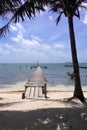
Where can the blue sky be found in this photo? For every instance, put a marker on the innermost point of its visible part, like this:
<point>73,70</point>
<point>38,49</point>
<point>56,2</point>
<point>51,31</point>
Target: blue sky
<point>40,39</point>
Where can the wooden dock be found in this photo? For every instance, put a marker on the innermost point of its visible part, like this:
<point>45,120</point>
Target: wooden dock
<point>36,85</point>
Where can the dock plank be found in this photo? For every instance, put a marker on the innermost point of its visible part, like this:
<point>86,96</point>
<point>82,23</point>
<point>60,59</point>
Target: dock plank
<point>34,85</point>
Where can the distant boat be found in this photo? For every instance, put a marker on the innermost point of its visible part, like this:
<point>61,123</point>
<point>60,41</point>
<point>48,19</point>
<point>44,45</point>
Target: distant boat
<point>69,64</point>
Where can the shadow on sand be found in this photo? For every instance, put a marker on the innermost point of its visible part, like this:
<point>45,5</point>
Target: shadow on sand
<point>45,119</point>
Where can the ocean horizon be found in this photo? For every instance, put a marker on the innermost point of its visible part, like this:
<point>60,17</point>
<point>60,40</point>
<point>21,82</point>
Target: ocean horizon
<point>15,75</point>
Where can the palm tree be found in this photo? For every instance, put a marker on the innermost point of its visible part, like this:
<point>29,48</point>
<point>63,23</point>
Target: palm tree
<point>69,8</point>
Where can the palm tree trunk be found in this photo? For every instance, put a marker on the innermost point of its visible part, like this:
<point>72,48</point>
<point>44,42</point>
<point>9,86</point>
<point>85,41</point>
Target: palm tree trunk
<point>78,90</point>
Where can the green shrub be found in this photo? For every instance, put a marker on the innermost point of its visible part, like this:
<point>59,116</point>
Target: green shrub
<point>71,74</point>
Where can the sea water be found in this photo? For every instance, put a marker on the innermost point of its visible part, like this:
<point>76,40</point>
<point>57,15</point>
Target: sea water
<point>14,75</point>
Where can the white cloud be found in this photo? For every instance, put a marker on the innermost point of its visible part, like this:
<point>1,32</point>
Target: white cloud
<point>60,46</point>
<point>84,9</point>
<point>32,48</point>
<point>3,50</point>
<point>36,44</point>
<point>51,18</point>
<point>18,38</point>
<point>42,51</point>
<point>36,38</point>
<point>13,28</point>
<point>84,4</point>
<point>17,27</point>
<point>85,19</point>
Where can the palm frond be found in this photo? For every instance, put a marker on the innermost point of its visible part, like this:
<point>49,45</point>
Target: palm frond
<point>55,7</point>
<point>58,18</point>
<point>77,14</point>
<point>29,8</point>
<point>8,6</point>
<point>4,30</point>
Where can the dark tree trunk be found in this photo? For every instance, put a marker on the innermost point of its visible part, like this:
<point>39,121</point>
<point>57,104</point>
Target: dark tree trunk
<point>78,90</point>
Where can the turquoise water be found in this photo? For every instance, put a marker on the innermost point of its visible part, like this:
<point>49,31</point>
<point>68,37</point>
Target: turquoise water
<point>56,74</point>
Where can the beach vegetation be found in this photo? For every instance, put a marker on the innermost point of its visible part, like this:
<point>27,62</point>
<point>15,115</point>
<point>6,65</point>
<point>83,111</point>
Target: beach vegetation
<point>67,8</point>
<point>71,74</point>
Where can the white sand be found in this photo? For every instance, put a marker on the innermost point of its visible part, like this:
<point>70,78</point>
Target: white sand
<point>14,101</point>
<point>42,114</point>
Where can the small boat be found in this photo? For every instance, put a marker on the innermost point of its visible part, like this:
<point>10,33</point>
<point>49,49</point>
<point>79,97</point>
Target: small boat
<point>68,64</point>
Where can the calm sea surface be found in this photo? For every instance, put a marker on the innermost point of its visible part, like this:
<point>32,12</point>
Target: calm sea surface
<point>56,74</point>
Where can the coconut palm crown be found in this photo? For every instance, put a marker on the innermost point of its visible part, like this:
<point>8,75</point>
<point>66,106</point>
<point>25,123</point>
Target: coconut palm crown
<point>69,8</point>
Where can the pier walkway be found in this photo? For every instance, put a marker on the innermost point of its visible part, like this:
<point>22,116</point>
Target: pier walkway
<point>36,85</point>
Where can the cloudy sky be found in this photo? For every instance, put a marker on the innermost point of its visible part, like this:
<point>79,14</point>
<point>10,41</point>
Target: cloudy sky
<point>42,40</point>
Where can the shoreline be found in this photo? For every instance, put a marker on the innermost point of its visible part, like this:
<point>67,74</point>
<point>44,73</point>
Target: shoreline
<point>20,91</point>
<point>20,87</point>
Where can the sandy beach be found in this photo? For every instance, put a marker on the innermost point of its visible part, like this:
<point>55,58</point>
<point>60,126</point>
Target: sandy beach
<point>42,114</point>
